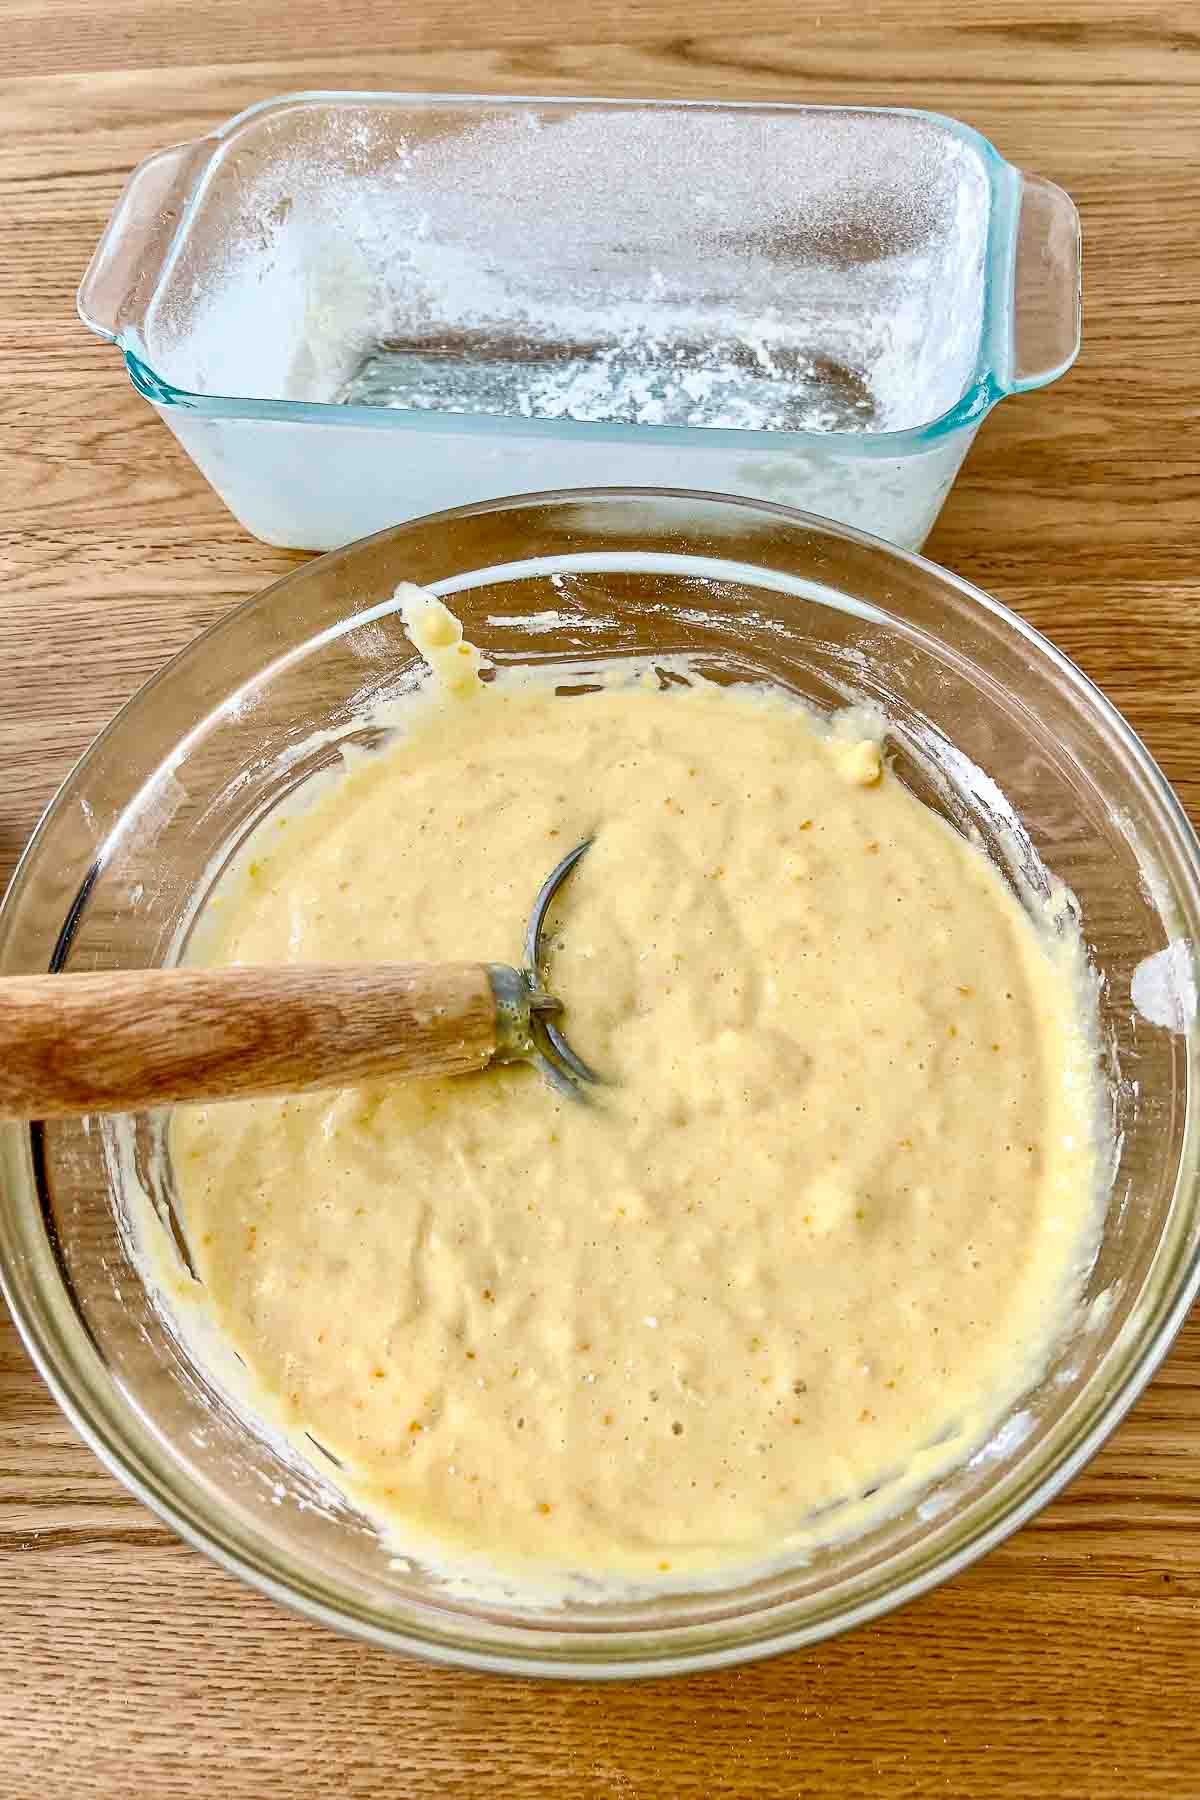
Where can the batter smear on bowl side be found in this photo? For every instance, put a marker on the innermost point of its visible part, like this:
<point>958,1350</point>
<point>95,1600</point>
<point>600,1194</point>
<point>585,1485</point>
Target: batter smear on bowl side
<point>821,1226</point>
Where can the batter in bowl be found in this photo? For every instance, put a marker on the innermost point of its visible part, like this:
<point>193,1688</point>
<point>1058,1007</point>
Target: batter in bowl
<point>820,1230</point>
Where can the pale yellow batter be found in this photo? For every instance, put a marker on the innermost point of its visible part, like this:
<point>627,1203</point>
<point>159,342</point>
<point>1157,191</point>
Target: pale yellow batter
<point>832,1209</point>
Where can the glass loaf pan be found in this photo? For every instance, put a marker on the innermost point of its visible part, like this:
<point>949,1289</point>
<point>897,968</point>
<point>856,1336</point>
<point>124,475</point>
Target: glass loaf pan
<point>353,309</point>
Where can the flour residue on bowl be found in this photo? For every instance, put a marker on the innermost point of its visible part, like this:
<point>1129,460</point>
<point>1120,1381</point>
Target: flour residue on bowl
<point>743,269</point>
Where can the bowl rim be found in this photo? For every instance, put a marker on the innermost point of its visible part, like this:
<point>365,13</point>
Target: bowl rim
<point>98,1429</point>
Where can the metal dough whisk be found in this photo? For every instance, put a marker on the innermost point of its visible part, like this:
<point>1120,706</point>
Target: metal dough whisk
<point>123,1040</point>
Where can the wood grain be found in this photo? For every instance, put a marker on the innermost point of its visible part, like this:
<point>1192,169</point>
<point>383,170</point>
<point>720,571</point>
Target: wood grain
<point>122,1040</point>
<point>1066,1663</point>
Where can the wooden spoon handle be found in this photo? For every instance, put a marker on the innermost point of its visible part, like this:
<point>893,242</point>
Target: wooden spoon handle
<point>120,1041</point>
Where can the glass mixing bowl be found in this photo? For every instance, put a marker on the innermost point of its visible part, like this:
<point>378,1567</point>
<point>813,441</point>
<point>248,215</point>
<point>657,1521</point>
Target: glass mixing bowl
<point>988,723</point>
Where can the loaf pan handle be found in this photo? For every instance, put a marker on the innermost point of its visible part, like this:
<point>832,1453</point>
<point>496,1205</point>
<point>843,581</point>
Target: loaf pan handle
<point>128,260</point>
<point>1046,306</point>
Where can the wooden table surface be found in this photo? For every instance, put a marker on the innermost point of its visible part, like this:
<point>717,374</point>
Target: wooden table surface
<point>1066,1663</point>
